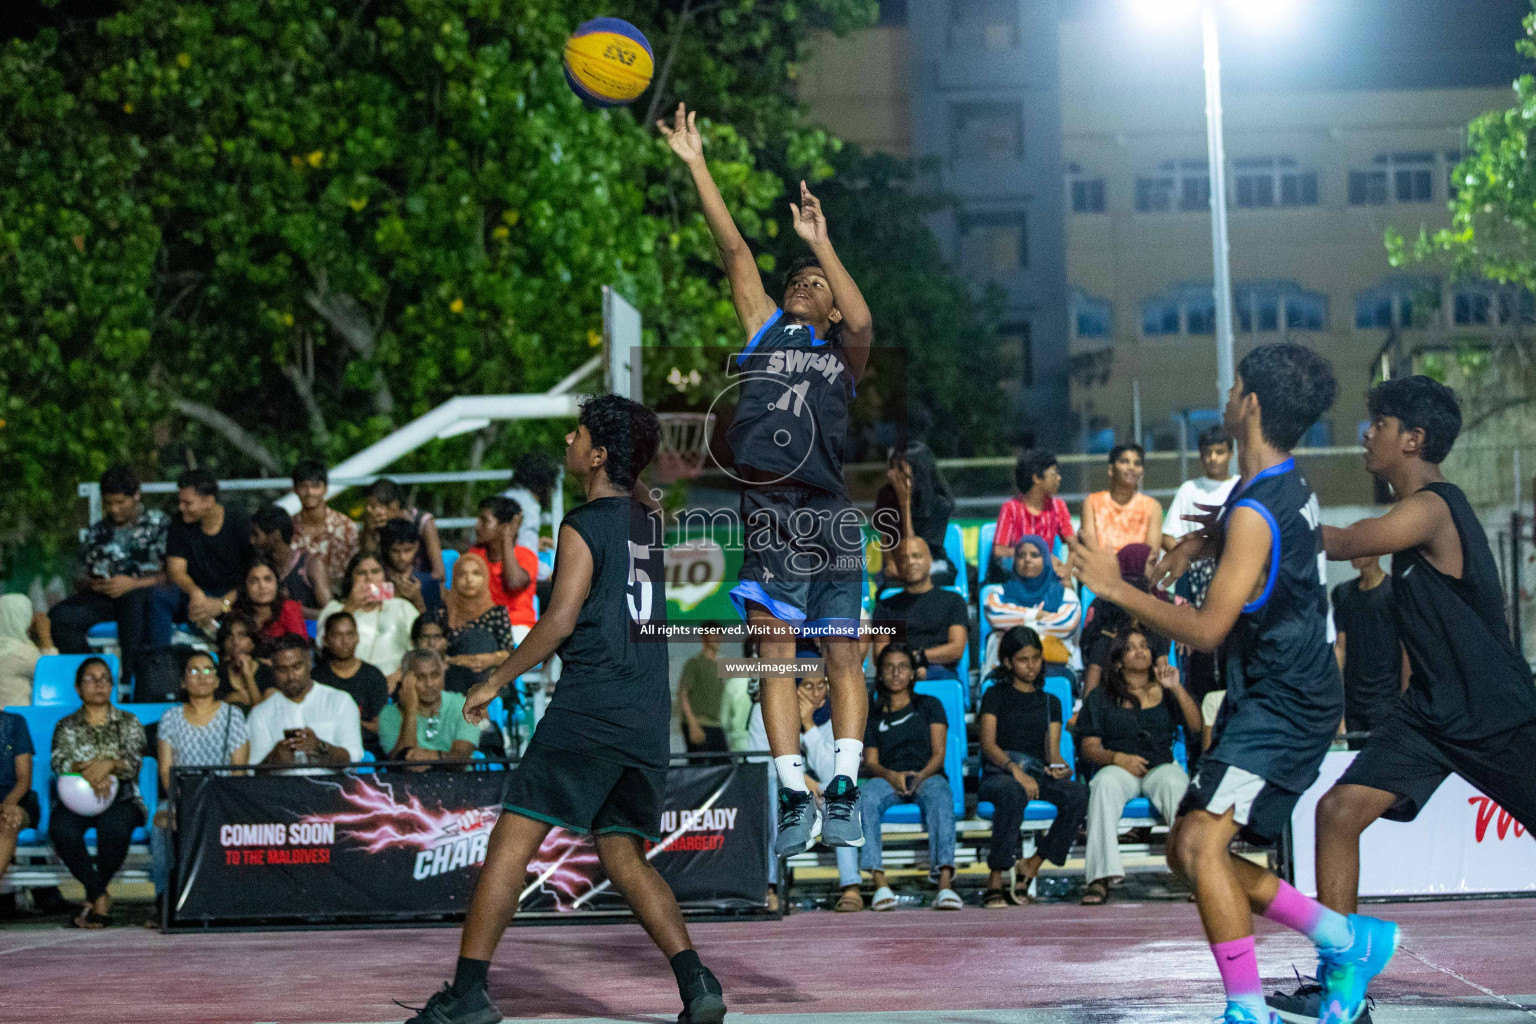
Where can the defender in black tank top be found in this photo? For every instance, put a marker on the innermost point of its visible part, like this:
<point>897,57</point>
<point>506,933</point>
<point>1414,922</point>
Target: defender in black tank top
<point>597,762</point>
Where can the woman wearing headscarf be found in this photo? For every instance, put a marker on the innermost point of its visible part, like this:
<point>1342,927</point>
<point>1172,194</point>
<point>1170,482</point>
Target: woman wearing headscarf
<point>478,630</point>
<point>24,637</point>
<point>1034,596</point>
<point>1106,621</point>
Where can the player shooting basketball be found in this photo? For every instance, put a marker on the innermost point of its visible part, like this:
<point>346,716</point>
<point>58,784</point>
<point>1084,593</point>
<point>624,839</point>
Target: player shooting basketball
<point>803,567</point>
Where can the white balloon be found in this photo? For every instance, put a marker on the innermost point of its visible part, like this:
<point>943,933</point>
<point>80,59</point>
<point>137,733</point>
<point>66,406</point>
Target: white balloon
<point>77,794</point>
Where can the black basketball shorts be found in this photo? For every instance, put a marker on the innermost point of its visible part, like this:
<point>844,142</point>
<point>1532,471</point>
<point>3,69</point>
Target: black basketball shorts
<point>803,559</point>
<point>582,794</point>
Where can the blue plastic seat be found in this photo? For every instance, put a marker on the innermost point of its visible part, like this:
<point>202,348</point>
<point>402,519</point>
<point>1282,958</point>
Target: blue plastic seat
<point>949,693</point>
<point>1139,807</point>
<point>954,553</point>
<point>449,557</point>
<point>311,628</point>
<point>53,680</point>
<point>102,631</point>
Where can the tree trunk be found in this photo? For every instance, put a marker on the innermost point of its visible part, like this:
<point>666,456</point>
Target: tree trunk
<point>231,432</point>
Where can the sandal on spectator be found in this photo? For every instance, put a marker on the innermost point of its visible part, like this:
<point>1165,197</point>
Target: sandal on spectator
<point>996,899</point>
<point>850,902</point>
<point>90,920</point>
<point>1095,894</point>
<point>948,899</point>
<point>884,899</point>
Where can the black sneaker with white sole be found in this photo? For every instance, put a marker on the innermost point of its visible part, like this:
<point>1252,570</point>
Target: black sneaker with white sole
<point>799,822</point>
<point>473,1007</point>
<point>1305,1004</point>
<point>840,801</point>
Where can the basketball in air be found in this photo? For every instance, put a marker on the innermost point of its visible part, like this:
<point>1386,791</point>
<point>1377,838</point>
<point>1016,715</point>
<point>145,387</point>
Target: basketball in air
<point>608,62</point>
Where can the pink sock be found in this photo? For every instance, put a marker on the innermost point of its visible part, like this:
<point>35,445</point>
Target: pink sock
<point>1324,927</point>
<point>1239,968</point>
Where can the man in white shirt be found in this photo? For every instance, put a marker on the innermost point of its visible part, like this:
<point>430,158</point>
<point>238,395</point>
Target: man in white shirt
<point>1212,488</point>
<point>304,722</point>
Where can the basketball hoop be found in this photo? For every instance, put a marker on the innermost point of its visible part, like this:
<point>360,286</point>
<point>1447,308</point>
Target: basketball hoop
<point>684,445</point>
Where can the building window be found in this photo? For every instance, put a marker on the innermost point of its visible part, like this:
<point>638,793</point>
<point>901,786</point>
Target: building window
<point>988,131</point>
<point>1185,309</point>
<point>1485,304</point>
<point>1405,177</point>
<point>1264,182</point>
<point>1283,306</point>
<point>1185,182</point>
<point>991,26</point>
<point>1367,188</point>
<point>1017,335</point>
<point>1395,303</point>
<point>995,244</point>
<point>1452,161</point>
<point>1084,192</point>
<point>1200,312</point>
<point>1091,317</point>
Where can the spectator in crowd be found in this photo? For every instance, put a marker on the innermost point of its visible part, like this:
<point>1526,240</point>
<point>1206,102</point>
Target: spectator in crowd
<point>303,575</point>
<point>121,562</point>
<point>1210,707</point>
<point>1369,651</point>
<point>303,722</point>
<point>207,549</point>
<point>428,634</point>
<point>199,732</point>
<point>816,745</point>
<point>1034,596</point>
<point>384,501</point>
<point>24,638</point>
<point>936,620</point>
<point>262,600</point>
<point>319,530</point>
<point>700,692</point>
<point>383,620</point>
<point>400,543</point>
<point>1211,488</point>
<point>514,568</point>
<point>532,486</point>
<point>1127,728</point>
<point>914,473</point>
<point>426,723</point>
<point>100,743</point>
<point>736,706</point>
<point>468,611</point>
<point>1124,514</point>
<point>904,744</point>
<point>1020,728</point>
<point>243,679</point>
<point>19,808</point>
<point>1106,621</point>
<point>339,667</point>
<point>1034,512</point>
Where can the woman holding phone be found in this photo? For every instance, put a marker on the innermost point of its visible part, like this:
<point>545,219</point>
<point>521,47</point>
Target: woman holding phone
<point>383,620</point>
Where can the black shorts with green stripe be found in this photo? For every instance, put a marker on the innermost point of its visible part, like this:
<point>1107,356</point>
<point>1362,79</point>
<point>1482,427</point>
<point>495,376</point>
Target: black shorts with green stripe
<point>582,794</point>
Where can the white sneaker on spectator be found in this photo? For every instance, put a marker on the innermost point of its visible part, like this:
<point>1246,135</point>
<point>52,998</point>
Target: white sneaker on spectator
<point>948,899</point>
<point>884,899</point>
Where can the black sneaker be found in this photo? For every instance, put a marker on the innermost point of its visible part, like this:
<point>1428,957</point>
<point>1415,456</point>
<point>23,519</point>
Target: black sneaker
<point>799,823</point>
<point>705,999</point>
<point>842,827</point>
<point>1305,1004</point>
<point>473,1007</point>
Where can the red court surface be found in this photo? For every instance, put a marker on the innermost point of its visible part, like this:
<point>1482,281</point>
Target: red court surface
<point>1461,961</point>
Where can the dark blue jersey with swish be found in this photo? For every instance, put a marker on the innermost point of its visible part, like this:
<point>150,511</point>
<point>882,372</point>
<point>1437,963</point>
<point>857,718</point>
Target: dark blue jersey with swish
<point>1284,695</point>
<point>791,422</point>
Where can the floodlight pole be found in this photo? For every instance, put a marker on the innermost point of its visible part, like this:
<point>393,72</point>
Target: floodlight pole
<point>1215,146</point>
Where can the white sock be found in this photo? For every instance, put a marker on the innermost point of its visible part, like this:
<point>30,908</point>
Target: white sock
<point>846,755</point>
<point>791,772</point>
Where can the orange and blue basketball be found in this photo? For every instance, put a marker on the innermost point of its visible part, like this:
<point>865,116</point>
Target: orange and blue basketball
<point>608,62</point>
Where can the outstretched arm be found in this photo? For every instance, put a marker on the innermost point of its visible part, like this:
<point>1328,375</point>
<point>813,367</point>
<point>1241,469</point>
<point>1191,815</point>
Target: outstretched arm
<point>1411,522</point>
<point>753,306</point>
<point>858,327</point>
<point>1244,560</point>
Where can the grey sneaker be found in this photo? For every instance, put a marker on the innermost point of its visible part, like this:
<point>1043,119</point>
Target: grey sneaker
<point>473,1007</point>
<point>841,800</point>
<point>799,823</point>
<point>1304,1005</point>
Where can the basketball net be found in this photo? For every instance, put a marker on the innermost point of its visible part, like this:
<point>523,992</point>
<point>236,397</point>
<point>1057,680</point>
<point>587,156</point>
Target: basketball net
<point>684,445</point>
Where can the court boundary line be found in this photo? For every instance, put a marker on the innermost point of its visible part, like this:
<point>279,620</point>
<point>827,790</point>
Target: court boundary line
<point>1469,982</point>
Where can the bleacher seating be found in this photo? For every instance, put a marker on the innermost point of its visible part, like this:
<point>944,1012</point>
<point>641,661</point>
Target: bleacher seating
<point>53,680</point>
<point>449,557</point>
<point>949,692</point>
<point>954,553</point>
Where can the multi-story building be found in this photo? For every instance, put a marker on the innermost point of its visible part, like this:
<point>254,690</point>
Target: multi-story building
<point>1103,173</point>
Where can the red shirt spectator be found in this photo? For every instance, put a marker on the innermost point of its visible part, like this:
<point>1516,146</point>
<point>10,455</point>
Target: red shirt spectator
<point>290,619</point>
<point>518,603</point>
<point>495,534</point>
<point>1017,520</point>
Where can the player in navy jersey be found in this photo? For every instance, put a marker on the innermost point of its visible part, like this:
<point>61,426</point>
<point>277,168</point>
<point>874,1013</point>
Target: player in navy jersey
<point>1267,615</point>
<point>598,761</point>
<point>803,565</point>
<point>1470,706</point>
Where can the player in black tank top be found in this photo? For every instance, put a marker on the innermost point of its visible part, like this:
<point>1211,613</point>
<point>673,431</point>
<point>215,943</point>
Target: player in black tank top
<point>597,762</point>
<point>1267,610</point>
<point>803,567</point>
<point>1470,705</point>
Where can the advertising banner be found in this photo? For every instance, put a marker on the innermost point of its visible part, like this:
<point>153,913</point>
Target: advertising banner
<point>1461,842</point>
<point>399,845</point>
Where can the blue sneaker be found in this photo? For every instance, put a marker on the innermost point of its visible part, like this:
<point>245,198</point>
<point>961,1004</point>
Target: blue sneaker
<point>1345,973</point>
<point>1237,1013</point>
